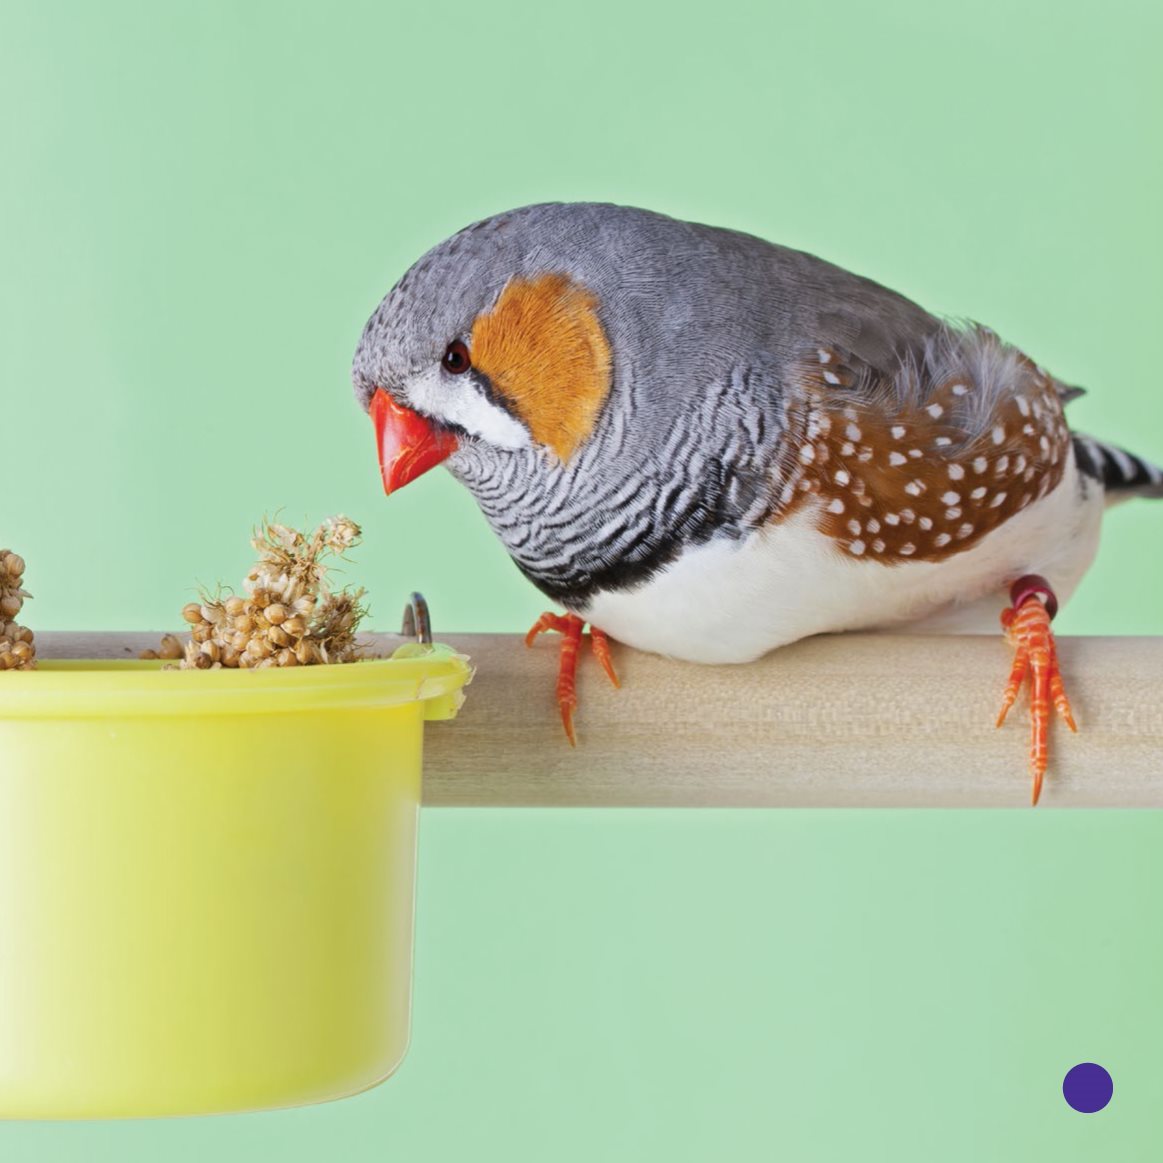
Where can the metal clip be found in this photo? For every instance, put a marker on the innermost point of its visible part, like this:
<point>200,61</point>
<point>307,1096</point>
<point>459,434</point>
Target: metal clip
<point>417,623</point>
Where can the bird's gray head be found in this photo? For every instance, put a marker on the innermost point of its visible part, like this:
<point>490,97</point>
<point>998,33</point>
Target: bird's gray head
<point>514,333</point>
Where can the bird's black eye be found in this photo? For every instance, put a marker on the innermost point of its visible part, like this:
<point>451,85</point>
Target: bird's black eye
<point>456,358</point>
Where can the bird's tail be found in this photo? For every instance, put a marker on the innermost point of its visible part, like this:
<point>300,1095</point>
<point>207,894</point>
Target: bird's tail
<point>1121,473</point>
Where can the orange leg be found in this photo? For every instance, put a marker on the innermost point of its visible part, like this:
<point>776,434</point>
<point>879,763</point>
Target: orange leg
<point>1027,627</point>
<point>570,627</point>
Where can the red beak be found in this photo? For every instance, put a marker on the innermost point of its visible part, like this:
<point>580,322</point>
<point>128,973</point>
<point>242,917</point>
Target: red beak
<point>408,444</point>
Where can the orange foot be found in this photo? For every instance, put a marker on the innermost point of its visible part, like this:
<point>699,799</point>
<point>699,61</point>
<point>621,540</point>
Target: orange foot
<point>570,627</point>
<point>1027,627</point>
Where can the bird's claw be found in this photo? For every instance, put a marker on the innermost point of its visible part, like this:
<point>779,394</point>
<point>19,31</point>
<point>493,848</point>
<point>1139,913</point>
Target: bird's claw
<point>570,627</point>
<point>1027,627</point>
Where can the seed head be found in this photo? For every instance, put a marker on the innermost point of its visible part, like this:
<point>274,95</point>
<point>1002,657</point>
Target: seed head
<point>17,651</point>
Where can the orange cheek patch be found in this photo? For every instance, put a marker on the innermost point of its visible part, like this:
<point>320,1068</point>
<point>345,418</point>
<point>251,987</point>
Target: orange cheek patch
<point>544,349</point>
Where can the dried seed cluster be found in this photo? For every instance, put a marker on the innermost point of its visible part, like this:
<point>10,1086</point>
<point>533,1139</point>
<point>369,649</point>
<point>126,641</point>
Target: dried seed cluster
<point>289,616</point>
<point>17,649</point>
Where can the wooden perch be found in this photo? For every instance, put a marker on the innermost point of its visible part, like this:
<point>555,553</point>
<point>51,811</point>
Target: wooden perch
<point>855,720</point>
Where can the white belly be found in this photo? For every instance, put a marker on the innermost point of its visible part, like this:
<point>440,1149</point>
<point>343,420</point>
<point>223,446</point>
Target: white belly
<point>733,601</point>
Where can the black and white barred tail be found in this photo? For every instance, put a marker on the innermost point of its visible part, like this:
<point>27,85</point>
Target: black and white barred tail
<point>1121,473</point>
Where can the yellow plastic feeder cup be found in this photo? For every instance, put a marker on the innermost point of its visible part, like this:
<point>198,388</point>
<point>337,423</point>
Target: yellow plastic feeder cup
<point>207,881</point>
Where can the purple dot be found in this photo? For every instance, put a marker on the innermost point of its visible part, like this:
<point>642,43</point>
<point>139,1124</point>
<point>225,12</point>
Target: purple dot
<point>1087,1087</point>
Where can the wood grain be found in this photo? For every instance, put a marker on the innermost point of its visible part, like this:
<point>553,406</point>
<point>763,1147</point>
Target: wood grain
<point>855,720</point>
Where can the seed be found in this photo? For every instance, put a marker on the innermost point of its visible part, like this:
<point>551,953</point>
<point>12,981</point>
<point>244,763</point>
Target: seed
<point>22,651</point>
<point>192,612</point>
<point>288,616</point>
<point>171,647</point>
<point>13,565</point>
<point>10,604</point>
<point>148,656</point>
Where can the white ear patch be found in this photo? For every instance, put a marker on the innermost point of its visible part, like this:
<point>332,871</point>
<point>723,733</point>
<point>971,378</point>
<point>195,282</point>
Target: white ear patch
<point>458,401</point>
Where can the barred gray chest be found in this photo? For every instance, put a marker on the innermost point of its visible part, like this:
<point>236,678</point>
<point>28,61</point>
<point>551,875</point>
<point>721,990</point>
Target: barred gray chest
<point>612,519</point>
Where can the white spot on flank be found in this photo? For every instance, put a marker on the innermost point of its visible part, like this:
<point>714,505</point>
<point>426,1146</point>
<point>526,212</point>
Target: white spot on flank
<point>853,526</point>
<point>865,454</point>
<point>878,545</point>
<point>915,453</point>
<point>853,432</point>
<point>872,525</point>
<point>825,356</point>
<point>997,500</point>
<point>1028,429</point>
<point>950,498</point>
<point>807,454</point>
<point>908,516</point>
<point>941,540</point>
<point>959,389</point>
<point>978,492</point>
<point>842,477</point>
<point>898,431</point>
<point>956,472</point>
<point>980,464</point>
<point>964,531</point>
<point>915,488</point>
<point>943,441</point>
<point>935,410</point>
<point>835,505</point>
<point>998,434</point>
<point>831,377</point>
<point>892,519</point>
<point>847,448</point>
<point>925,523</point>
<point>952,514</point>
<point>1020,463</point>
<point>1023,405</point>
<point>907,549</point>
<point>856,547</point>
<point>895,458</point>
<point>1001,464</point>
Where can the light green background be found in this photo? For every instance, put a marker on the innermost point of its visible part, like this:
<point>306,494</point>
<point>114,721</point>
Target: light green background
<point>200,205</point>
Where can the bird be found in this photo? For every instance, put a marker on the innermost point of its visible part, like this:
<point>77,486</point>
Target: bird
<point>707,446</point>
